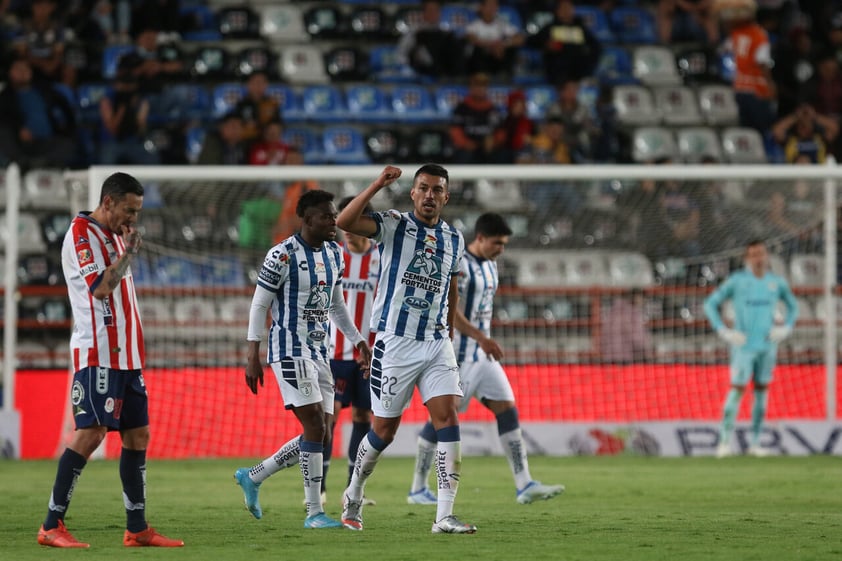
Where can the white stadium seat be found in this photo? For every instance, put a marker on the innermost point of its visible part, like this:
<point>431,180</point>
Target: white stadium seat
<point>634,105</point>
<point>650,144</point>
<point>678,105</point>
<point>282,23</point>
<point>742,145</point>
<point>806,270</point>
<point>696,143</point>
<point>44,189</point>
<point>537,268</point>
<point>718,105</point>
<point>655,65</point>
<point>303,64</point>
<point>584,268</point>
<point>30,239</point>
<point>630,269</point>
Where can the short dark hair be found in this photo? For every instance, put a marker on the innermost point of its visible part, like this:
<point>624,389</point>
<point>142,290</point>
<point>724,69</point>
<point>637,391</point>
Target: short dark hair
<point>312,199</point>
<point>492,224</point>
<point>434,170</point>
<point>368,209</point>
<point>754,242</point>
<point>118,185</point>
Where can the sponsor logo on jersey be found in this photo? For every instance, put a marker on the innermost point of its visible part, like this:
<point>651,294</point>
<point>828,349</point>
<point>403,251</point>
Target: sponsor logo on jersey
<point>82,240</point>
<point>102,380</point>
<point>416,303</point>
<point>109,405</point>
<point>317,336</point>
<point>87,270</point>
<point>269,277</point>
<point>84,256</point>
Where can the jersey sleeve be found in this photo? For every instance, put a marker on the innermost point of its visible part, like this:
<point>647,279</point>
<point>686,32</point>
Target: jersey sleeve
<point>715,300</point>
<point>386,221</point>
<point>275,269</point>
<point>459,254</point>
<point>90,255</point>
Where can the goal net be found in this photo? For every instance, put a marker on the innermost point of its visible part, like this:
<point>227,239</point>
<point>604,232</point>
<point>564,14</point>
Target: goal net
<point>599,310</point>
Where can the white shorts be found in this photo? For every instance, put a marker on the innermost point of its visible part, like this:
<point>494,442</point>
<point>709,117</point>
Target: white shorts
<point>399,364</point>
<point>484,379</point>
<point>304,381</point>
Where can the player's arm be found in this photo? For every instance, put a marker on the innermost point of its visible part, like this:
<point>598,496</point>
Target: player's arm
<point>468,329</point>
<point>260,303</point>
<point>452,302</point>
<point>780,332</point>
<point>114,273</point>
<point>340,317</point>
<point>352,218</point>
<point>711,308</point>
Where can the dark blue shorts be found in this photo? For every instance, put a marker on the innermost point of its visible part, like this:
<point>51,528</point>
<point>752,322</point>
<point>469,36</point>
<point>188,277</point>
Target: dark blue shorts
<point>352,388</point>
<point>110,398</point>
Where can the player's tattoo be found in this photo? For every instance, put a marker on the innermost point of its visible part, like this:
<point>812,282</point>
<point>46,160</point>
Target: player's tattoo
<point>115,273</point>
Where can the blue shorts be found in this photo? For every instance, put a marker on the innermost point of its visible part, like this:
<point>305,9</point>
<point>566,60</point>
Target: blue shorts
<point>110,398</point>
<point>352,387</point>
<point>752,365</point>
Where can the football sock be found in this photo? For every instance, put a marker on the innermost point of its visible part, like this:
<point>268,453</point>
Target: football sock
<point>758,413</point>
<point>358,432</point>
<point>367,455</point>
<point>424,457</point>
<point>70,467</point>
<point>729,414</point>
<point>511,438</point>
<point>133,476</point>
<point>310,462</point>
<point>448,469</point>
<point>286,457</point>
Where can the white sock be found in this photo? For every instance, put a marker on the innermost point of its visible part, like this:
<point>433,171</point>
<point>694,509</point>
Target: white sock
<point>367,457</point>
<point>423,463</point>
<point>448,469</point>
<point>515,450</point>
<point>311,472</point>
<point>285,457</point>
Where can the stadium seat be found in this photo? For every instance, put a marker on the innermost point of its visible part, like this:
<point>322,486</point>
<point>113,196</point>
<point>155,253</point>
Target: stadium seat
<point>324,104</point>
<point>727,66</point>
<point>89,97</point>
<point>44,190</point>
<point>368,104</point>
<point>386,145</point>
<point>211,62</point>
<point>155,312</point>
<point>697,65</point>
<point>199,23</point>
<point>633,25</point>
<point>308,142</point>
<point>347,64</point>
<point>54,226</point>
<point>629,269</point>
<point>456,17</point>
<point>235,310</point>
<point>654,65</point>
<point>430,145</point>
<point>256,59</point>
<point>697,143</point>
<point>806,269</point>
<point>195,136</point>
<point>325,22</point>
<point>386,67</point>
<point>413,104</point>
<point>222,271</point>
<point>370,23</point>
<point>584,268</point>
<point>344,145</point>
<point>196,311</point>
<point>447,98</point>
<point>29,234</point>
<point>678,105</point>
<point>498,194</point>
<point>650,144</point>
<point>111,56</point>
<point>634,105</point>
<point>718,105</point>
<point>499,96</point>
<point>538,99</point>
<point>615,66</point>
<point>537,268</point>
<point>282,23</point>
<point>238,22</point>
<point>289,104</point>
<point>176,271</point>
<point>597,22</point>
<point>778,266</point>
<point>529,67</point>
<point>536,20</point>
<point>743,145</point>
<point>225,97</point>
<point>34,269</point>
<point>194,102</point>
<point>303,64</point>
<point>510,14</point>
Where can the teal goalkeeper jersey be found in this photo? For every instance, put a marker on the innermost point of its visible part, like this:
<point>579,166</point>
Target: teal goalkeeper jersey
<point>754,301</point>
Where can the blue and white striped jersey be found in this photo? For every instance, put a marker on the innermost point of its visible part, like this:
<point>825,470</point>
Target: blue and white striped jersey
<point>416,264</point>
<point>303,280</point>
<point>477,283</point>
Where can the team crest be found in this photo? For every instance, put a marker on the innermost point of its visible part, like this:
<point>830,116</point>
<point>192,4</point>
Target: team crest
<point>319,296</point>
<point>426,263</point>
<point>430,239</point>
<point>84,256</point>
<point>306,389</point>
<point>387,403</point>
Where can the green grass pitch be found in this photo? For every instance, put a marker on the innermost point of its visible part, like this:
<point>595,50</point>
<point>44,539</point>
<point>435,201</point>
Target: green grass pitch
<point>615,508</point>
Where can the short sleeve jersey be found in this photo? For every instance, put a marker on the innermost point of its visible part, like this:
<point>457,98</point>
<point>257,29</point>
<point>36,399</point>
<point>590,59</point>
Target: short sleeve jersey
<point>303,280</point>
<point>106,332</point>
<point>416,264</point>
<point>477,283</point>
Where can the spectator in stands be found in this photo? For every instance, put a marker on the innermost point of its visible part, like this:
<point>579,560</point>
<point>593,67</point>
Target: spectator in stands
<point>805,133</point>
<point>156,67</point>
<point>753,84</point>
<point>687,21</point>
<point>124,113</point>
<point>570,50</point>
<point>681,215</point>
<point>606,144</point>
<point>271,150</point>
<point>475,120</point>
<point>753,337</point>
<point>37,124</point>
<point>256,108</point>
<point>43,41</point>
<point>101,21</point>
<point>794,216</point>
<point>834,36</point>
<point>624,334</point>
<point>431,48</point>
<point>824,90</point>
<point>493,42</point>
<point>579,126</point>
<point>516,131</point>
<point>224,146</point>
<point>794,66</point>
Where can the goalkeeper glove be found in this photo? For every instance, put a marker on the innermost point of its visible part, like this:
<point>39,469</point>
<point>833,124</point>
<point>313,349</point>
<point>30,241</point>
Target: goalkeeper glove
<point>779,332</point>
<point>732,336</point>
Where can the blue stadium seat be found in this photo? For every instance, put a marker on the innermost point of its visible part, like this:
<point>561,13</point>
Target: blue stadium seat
<point>344,145</point>
<point>289,104</point>
<point>225,97</point>
<point>538,99</point>
<point>413,104</point>
<point>89,96</point>
<point>195,138</point>
<point>111,56</point>
<point>142,272</point>
<point>511,15</point>
<point>456,17</point>
<point>529,68</point>
<point>307,141</point>
<point>200,24</point>
<point>633,25</point>
<point>447,98</point>
<point>176,271</point>
<point>500,96</point>
<point>597,22</point>
<point>368,104</point>
<point>323,103</point>
<point>193,102</point>
<point>385,67</point>
<point>222,270</point>
<point>615,66</point>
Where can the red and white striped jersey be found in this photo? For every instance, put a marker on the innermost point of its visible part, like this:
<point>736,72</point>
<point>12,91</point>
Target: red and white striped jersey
<point>359,282</point>
<point>106,332</point>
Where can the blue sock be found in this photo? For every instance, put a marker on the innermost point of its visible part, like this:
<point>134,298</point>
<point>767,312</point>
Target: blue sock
<point>69,469</point>
<point>358,432</point>
<point>758,414</point>
<point>428,432</point>
<point>133,476</point>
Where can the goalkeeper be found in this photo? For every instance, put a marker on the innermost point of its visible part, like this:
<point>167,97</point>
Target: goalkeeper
<point>754,292</point>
